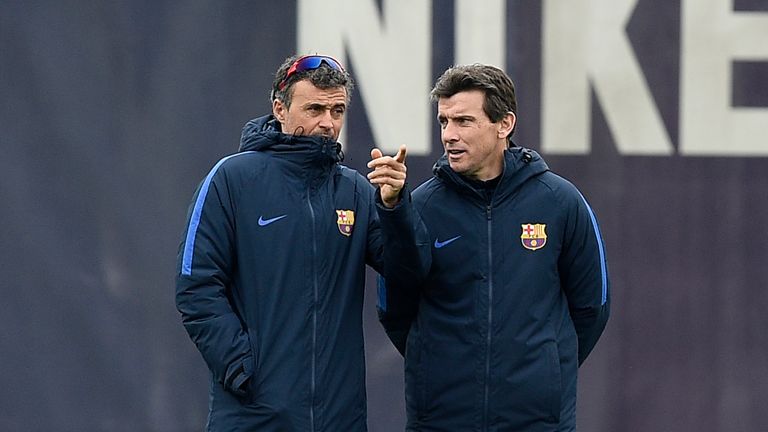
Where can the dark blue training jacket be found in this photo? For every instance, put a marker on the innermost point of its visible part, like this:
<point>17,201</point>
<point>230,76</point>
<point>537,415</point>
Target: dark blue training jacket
<point>511,297</point>
<point>270,284</point>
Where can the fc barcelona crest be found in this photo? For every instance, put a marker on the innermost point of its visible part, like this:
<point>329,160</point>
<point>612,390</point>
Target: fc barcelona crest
<point>534,236</point>
<point>346,221</point>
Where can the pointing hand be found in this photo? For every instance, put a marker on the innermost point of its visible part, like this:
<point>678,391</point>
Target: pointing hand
<point>389,173</point>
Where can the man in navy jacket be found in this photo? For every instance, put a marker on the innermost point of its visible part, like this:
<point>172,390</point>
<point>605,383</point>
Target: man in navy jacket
<point>510,293</point>
<point>271,269</point>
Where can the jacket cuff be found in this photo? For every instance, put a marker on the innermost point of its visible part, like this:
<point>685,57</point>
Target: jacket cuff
<point>405,194</point>
<point>238,375</point>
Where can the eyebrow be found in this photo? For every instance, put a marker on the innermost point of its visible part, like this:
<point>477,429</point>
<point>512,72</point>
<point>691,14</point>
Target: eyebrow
<point>322,105</point>
<point>456,117</point>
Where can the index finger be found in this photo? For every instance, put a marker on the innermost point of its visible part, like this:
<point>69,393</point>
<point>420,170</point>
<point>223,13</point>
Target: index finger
<point>400,156</point>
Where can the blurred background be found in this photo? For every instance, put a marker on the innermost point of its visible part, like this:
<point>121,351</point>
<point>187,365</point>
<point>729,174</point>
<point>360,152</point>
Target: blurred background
<point>111,112</point>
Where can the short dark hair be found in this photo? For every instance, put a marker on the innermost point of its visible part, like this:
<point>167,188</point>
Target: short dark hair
<point>324,77</point>
<point>495,83</point>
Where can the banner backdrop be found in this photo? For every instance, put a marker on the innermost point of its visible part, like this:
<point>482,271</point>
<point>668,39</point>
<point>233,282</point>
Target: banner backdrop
<point>112,112</point>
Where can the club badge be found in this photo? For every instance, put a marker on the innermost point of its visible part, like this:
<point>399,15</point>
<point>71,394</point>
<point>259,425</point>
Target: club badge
<point>534,236</point>
<point>345,221</point>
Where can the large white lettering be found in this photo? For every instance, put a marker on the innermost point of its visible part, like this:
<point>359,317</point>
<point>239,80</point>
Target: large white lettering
<point>480,32</point>
<point>584,42</point>
<point>713,36</point>
<point>391,57</point>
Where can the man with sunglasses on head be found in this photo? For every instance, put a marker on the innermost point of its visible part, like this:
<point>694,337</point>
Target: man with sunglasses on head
<point>271,269</point>
<point>509,293</point>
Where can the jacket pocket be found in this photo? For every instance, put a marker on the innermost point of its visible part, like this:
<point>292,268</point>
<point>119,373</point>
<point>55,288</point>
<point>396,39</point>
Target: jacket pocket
<point>443,385</point>
<point>415,391</point>
<point>253,381</point>
<point>531,389</point>
<point>555,382</point>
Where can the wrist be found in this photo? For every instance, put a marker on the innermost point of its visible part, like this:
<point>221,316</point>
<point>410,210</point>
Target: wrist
<point>391,203</point>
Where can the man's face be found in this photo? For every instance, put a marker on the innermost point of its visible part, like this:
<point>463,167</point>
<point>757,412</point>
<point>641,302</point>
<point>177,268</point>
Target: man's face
<point>313,111</point>
<point>474,145</point>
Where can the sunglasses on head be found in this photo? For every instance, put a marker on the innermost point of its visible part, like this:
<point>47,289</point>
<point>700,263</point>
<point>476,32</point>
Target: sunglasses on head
<point>309,62</point>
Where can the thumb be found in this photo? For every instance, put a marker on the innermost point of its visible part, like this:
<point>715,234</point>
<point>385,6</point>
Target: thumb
<point>376,153</point>
<point>400,156</point>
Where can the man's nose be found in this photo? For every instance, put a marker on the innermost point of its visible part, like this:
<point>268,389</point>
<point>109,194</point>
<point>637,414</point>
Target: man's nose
<point>326,120</point>
<point>450,133</point>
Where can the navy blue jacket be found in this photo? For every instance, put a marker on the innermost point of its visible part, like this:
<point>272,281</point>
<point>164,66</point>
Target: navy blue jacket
<point>270,283</point>
<point>510,296</point>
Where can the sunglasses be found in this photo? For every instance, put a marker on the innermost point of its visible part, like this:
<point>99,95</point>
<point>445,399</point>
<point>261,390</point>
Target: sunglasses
<point>309,62</point>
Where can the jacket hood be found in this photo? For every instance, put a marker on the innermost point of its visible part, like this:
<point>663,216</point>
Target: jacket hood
<point>520,164</point>
<point>264,134</point>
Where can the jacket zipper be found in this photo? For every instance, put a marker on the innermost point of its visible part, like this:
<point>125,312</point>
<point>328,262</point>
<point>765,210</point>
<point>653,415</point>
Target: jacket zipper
<point>314,311</point>
<point>490,319</point>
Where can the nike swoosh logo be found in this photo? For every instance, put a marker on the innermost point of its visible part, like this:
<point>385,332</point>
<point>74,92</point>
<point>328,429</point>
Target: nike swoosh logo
<point>439,244</point>
<point>265,222</point>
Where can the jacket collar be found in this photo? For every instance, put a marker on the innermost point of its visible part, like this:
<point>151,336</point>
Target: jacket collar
<point>520,164</point>
<point>309,156</point>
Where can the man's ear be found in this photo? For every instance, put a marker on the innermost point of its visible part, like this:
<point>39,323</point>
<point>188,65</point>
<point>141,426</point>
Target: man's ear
<point>507,124</point>
<point>278,110</point>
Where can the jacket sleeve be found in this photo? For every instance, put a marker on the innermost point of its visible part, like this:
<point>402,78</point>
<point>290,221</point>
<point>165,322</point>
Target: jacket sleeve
<point>205,262</point>
<point>584,274</point>
<point>406,263</point>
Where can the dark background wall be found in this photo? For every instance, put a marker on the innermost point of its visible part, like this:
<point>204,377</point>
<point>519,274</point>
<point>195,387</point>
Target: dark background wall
<point>111,112</point>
